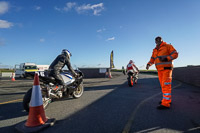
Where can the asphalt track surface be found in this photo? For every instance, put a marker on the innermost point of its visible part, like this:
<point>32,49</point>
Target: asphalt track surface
<point>109,106</point>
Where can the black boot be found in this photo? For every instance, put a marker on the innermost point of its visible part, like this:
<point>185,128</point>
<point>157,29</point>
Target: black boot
<point>160,107</point>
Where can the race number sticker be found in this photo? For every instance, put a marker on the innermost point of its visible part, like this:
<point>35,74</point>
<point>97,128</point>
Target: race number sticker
<point>41,73</point>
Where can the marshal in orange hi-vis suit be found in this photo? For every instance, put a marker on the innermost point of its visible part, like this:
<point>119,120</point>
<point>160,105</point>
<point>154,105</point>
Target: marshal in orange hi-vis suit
<point>163,56</point>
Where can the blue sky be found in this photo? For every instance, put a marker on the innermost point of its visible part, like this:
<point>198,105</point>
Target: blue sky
<point>37,31</point>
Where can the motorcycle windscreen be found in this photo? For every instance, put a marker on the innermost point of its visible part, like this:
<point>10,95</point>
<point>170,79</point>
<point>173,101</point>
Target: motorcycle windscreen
<point>68,79</point>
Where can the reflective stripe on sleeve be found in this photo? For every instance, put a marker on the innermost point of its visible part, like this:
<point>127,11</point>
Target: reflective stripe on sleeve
<point>173,52</point>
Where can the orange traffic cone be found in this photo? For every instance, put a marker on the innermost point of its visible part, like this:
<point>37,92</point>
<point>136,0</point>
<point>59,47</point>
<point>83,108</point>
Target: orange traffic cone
<point>13,77</point>
<point>36,115</point>
<point>37,119</point>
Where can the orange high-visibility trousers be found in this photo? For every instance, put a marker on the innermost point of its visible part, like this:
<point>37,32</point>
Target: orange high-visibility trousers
<point>165,78</point>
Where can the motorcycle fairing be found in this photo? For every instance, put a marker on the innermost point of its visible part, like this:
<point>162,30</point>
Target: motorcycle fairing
<point>67,77</point>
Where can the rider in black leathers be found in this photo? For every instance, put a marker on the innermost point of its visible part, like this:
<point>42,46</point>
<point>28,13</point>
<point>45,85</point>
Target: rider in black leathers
<point>56,66</point>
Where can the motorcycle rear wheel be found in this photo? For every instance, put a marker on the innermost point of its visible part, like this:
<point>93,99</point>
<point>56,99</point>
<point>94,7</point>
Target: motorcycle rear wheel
<point>79,91</point>
<point>27,99</point>
<point>130,81</point>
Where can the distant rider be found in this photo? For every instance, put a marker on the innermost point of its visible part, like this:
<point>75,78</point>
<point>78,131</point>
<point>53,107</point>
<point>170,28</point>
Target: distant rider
<point>56,67</point>
<point>133,68</point>
<point>123,70</point>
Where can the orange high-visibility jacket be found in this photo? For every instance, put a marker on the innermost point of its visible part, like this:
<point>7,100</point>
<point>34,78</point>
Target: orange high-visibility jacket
<point>165,50</point>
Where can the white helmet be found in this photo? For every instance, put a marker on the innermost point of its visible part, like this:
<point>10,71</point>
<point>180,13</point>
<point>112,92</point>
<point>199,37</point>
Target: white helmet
<point>131,61</point>
<point>66,52</point>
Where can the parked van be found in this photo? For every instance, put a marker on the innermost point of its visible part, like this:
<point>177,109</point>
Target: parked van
<point>24,69</point>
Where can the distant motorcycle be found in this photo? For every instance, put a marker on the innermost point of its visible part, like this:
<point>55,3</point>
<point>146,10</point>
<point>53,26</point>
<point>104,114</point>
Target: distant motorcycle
<point>51,90</point>
<point>123,71</point>
<point>132,79</point>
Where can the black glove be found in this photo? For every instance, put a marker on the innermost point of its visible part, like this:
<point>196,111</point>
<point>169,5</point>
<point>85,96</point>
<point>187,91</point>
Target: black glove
<point>147,67</point>
<point>75,75</point>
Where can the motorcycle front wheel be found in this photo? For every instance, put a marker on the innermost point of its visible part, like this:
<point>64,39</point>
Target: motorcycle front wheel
<point>79,91</point>
<point>27,99</point>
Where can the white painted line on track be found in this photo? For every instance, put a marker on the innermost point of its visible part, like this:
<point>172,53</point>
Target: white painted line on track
<point>17,100</point>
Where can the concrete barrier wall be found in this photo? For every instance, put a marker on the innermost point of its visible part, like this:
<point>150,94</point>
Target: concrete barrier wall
<point>149,72</point>
<point>94,72</point>
<point>5,75</point>
<point>190,75</point>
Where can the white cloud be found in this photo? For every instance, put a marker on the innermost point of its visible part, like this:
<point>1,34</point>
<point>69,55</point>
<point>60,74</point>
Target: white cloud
<point>96,8</point>
<point>57,9</point>
<point>4,6</point>
<point>5,24</point>
<point>69,6</point>
<point>37,8</point>
<point>111,39</point>
<point>101,30</point>
<point>42,40</point>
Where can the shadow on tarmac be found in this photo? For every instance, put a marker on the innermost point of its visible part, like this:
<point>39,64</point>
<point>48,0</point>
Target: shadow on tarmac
<point>11,111</point>
<point>110,113</point>
<point>183,116</point>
